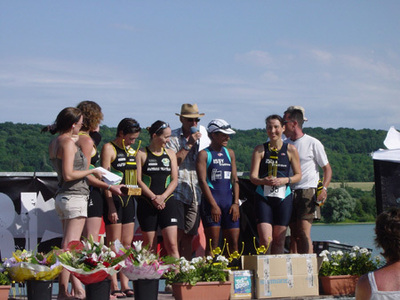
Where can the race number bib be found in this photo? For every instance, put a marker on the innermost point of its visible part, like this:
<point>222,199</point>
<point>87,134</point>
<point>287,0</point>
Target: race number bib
<point>275,191</point>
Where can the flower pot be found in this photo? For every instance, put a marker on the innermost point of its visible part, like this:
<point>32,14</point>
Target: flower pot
<point>202,290</point>
<point>99,290</point>
<point>39,289</point>
<point>4,291</point>
<point>339,285</point>
<point>146,289</point>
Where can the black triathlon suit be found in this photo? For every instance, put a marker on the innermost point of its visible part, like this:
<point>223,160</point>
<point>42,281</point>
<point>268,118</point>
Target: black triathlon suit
<point>96,197</point>
<point>156,174</point>
<point>124,164</point>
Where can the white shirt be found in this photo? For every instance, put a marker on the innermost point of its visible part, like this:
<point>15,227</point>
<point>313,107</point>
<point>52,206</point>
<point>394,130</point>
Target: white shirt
<point>312,156</point>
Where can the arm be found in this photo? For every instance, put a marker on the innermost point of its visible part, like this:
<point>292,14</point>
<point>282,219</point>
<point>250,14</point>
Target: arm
<point>68,150</point>
<point>327,171</point>
<point>174,175</point>
<point>234,210</point>
<point>363,288</point>
<point>258,154</point>
<point>201,169</point>
<point>87,146</point>
<point>182,152</point>
<point>107,156</point>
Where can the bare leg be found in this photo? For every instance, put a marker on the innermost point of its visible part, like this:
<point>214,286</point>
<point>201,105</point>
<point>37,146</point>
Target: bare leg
<point>212,233</point>
<point>150,238</point>
<point>170,237</point>
<point>126,240</point>
<point>232,238</point>
<point>92,227</point>
<point>265,235</point>
<point>278,237</point>
<point>72,229</point>
<point>113,232</point>
<point>185,244</point>
<point>304,237</point>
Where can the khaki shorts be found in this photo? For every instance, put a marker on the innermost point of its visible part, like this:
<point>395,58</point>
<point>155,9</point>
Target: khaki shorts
<point>71,206</point>
<point>304,205</point>
<point>188,217</point>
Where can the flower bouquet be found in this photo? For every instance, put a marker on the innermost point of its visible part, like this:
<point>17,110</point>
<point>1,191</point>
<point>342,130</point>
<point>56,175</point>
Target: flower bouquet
<point>141,263</point>
<point>90,261</point>
<point>28,265</point>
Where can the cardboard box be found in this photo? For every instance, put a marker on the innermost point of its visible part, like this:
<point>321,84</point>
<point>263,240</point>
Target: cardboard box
<point>242,284</point>
<point>286,275</point>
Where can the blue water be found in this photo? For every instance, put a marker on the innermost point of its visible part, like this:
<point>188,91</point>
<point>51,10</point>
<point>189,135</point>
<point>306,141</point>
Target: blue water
<point>361,235</point>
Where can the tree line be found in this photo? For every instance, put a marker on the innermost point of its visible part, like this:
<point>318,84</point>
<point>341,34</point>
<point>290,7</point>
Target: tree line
<point>23,148</point>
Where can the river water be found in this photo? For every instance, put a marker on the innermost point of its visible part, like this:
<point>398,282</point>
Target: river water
<point>361,235</point>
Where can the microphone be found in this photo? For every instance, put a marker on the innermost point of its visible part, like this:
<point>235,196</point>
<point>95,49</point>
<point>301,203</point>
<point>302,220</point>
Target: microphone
<point>194,129</point>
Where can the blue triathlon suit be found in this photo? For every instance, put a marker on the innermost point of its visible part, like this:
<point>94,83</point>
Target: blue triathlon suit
<point>124,164</point>
<point>273,210</point>
<point>156,174</point>
<point>219,169</point>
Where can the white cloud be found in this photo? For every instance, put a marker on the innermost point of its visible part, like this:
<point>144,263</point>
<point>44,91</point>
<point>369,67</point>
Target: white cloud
<point>255,58</point>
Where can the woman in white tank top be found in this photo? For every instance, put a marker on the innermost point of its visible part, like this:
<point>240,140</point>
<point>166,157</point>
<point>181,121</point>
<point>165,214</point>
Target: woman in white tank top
<point>384,283</point>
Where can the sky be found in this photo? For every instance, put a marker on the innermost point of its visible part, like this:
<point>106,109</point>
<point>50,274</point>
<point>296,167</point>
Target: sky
<point>238,60</point>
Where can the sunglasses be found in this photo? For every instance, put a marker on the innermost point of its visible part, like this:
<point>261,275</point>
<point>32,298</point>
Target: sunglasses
<point>220,127</point>
<point>193,120</point>
<point>163,126</point>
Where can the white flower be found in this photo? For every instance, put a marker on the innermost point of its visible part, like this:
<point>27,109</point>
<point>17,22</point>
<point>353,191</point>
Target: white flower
<point>339,252</point>
<point>364,250</point>
<point>335,264</point>
<point>324,253</point>
<point>196,260</point>
<point>355,248</point>
<point>353,255</point>
<point>222,259</point>
<point>138,245</point>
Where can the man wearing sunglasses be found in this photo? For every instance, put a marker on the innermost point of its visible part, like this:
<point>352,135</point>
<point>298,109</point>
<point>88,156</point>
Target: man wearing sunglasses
<point>185,142</point>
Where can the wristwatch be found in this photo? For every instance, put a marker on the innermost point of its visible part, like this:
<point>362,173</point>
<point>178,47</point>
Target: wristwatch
<point>187,147</point>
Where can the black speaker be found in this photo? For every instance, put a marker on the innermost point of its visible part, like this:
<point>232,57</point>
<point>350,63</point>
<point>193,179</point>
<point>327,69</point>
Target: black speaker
<point>387,185</point>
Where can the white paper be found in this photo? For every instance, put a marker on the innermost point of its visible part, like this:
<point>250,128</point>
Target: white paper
<point>392,140</point>
<point>109,177</point>
<point>204,140</point>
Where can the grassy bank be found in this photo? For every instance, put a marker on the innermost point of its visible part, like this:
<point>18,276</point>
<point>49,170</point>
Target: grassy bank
<point>364,186</point>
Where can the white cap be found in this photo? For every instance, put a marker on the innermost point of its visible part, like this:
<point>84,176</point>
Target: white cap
<point>219,125</point>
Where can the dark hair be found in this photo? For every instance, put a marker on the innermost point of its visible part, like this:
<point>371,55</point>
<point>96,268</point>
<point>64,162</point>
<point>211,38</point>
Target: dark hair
<point>295,115</point>
<point>157,128</point>
<point>64,121</point>
<point>92,115</point>
<point>274,117</point>
<point>127,126</point>
<point>387,232</point>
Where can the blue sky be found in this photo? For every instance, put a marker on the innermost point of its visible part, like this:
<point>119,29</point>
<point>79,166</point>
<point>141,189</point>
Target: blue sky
<point>238,60</point>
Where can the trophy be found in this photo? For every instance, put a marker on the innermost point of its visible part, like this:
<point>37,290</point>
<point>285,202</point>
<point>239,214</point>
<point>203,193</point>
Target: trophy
<point>132,188</point>
<point>273,163</point>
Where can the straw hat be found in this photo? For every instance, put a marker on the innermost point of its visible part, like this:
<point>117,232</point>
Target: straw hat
<point>190,111</point>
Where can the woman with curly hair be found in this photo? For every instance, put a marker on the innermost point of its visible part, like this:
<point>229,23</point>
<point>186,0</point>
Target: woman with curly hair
<point>89,139</point>
<point>384,283</point>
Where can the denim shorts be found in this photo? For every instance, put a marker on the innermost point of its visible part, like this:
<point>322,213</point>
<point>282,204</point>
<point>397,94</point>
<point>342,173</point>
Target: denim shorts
<point>71,206</point>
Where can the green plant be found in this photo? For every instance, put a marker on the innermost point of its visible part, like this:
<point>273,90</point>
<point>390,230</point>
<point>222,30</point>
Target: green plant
<point>357,262</point>
<point>199,269</point>
<point>4,276</point>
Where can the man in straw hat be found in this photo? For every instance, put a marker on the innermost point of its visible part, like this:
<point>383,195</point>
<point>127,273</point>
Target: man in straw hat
<point>306,201</point>
<point>185,142</point>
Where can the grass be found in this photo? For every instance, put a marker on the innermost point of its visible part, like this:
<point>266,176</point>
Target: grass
<point>364,186</point>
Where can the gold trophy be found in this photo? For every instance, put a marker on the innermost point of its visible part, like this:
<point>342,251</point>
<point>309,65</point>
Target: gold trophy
<point>273,164</point>
<point>132,188</point>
